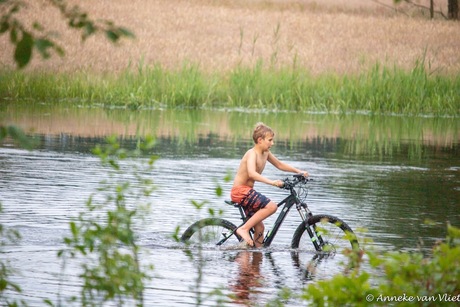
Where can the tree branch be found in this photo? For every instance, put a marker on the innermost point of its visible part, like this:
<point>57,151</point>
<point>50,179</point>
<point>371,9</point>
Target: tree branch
<point>26,39</point>
<point>420,6</point>
<point>389,7</point>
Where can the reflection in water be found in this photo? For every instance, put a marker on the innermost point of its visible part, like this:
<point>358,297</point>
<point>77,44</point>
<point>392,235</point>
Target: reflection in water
<point>311,266</point>
<point>353,134</point>
<point>248,278</point>
<point>261,276</point>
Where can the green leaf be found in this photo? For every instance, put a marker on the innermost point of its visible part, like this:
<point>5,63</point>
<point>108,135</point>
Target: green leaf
<point>19,136</point>
<point>197,205</point>
<point>219,191</point>
<point>228,177</point>
<point>3,285</point>
<point>37,26</point>
<point>112,35</point>
<point>13,35</point>
<point>3,133</point>
<point>89,29</point>
<point>43,45</point>
<point>23,52</point>
<point>73,229</point>
<point>125,32</point>
<point>59,50</point>
<point>4,27</point>
<point>176,234</point>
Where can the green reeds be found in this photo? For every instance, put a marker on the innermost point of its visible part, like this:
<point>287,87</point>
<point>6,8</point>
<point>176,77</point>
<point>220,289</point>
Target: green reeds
<point>380,90</point>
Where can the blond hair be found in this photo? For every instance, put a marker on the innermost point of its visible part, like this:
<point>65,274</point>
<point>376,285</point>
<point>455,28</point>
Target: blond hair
<point>260,131</point>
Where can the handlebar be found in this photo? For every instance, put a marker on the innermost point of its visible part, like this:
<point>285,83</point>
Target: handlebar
<point>291,183</point>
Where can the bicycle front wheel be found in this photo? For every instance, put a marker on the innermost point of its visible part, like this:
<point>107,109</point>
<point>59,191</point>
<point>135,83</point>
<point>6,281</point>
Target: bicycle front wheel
<point>324,233</point>
<point>210,232</point>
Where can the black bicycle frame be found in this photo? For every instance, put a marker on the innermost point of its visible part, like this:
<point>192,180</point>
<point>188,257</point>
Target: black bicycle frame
<point>288,202</point>
<point>313,232</point>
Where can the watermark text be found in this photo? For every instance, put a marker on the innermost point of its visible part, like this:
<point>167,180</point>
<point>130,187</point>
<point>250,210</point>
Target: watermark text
<point>413,298</point>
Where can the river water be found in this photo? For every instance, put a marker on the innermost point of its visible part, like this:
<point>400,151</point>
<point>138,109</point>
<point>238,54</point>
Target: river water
<point>384,176</point>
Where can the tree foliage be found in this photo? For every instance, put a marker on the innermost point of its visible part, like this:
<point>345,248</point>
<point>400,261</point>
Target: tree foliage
<point>104,235</point>
<point>29,37</point>
<point>405,279</point>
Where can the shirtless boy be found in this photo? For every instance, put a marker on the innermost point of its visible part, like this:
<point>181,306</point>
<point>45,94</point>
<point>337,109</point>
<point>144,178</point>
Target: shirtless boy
<point>256,206</point>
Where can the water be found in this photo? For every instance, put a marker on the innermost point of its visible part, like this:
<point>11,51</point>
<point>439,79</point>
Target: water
<point>387,185</point>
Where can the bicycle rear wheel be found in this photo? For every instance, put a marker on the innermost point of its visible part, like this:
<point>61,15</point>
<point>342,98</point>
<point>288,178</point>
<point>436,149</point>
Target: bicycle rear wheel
<point>210,232</point>
<point>330,235</point>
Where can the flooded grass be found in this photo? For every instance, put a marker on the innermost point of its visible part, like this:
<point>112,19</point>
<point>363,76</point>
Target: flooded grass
<point>381,90</point>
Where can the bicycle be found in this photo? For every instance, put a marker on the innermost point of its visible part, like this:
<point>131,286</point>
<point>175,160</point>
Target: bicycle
<point>326,233</point>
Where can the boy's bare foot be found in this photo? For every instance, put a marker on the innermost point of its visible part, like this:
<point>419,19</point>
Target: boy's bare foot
<point>245,235</point>
<point>259,240</point>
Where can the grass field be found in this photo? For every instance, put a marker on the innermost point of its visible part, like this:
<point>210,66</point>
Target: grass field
<point>338,36</point>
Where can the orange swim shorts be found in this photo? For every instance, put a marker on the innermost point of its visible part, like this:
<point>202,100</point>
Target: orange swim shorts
<point>248,198</point>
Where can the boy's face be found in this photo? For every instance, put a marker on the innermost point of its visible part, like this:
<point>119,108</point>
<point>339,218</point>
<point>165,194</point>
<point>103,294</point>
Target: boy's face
<point>267,141</point>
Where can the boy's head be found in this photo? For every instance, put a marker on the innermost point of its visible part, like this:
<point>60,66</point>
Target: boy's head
<point>261,131</point>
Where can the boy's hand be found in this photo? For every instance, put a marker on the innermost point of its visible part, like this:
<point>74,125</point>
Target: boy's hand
<point>305,174</point>
<point>278,183</point>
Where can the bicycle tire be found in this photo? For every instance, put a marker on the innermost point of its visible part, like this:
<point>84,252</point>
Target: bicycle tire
<point>210,231</point>
<point>334,232</point>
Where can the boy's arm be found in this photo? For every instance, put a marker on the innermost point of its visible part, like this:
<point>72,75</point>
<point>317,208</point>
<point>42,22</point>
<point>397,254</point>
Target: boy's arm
<point>284,166</point>
<point>254,175</point>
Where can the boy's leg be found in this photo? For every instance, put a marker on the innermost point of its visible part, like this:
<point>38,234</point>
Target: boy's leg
<point>258,217</point>
<point>259,234</point>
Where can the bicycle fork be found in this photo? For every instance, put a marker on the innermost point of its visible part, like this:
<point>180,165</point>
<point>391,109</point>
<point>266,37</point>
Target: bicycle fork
<point>313,232</point>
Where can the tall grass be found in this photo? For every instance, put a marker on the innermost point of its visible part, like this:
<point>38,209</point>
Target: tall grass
<point>380,90</point>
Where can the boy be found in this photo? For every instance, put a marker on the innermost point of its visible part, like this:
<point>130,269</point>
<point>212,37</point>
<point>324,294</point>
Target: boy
<point>256,206</point>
